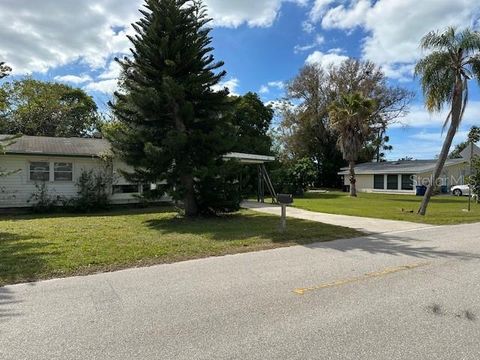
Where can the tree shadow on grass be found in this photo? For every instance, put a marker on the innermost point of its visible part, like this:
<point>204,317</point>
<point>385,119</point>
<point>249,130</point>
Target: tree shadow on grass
<point>123,211</point>
<point>395,245</point>
<point>21,258</point>
<point>262,227</point>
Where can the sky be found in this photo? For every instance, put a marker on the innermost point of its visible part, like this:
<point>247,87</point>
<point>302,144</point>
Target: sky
<point>263,43</point>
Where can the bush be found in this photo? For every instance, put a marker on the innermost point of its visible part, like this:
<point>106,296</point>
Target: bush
<point>42,201</point>
<point>93,191</point>
<point>294,178</point>
<point>219,191</point>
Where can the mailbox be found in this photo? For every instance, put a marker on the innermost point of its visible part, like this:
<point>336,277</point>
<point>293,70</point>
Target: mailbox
<point>285,199</point>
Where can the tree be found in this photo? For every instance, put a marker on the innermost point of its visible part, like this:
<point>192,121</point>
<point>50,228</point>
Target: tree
<point>174,128</point>
<point>4,142</point>
<point>33,107</point>
<point>453,59</point>
<point>351,118</point>
<point>305,129</point>
<point>456,153</point>
<point>252,120</point>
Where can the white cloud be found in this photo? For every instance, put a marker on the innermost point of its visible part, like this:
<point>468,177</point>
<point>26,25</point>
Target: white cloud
<point>346,18</point>
<point>264,89</point>
<point>325,60</point>
<point>420,117</point>
<point>308,27</point>
<point>231,84</point>
<point>74,79</point>
<point>103,86</point>
<point>255,13</point>
<point>319,8</point>
<point>41,35</point>
<point>277,84</point>
<point>319,40</point>
<point>395,27</point>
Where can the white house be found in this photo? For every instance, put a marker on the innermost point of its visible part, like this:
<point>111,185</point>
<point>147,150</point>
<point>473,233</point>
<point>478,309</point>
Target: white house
<point>403,176</point>
<point>59,162</point>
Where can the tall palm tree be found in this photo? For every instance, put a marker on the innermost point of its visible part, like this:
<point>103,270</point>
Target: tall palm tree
<point>351,118</point>
<point>453,59</point>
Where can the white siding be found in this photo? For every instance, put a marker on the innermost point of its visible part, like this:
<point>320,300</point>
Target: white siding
<point>16,189</point>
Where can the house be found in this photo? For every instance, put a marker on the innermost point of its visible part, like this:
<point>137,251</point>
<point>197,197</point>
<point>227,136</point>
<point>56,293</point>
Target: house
<point>59,162</point>
<point>402,177</point>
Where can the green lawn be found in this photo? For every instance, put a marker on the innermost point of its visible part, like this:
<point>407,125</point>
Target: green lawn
<point>36,247</point>
<point>442,209</point>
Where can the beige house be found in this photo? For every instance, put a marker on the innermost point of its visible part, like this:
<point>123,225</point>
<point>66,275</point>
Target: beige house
<point>403,177</point>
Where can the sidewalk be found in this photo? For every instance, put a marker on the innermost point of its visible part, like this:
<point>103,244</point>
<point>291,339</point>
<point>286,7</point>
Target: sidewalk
<point>367,225</point>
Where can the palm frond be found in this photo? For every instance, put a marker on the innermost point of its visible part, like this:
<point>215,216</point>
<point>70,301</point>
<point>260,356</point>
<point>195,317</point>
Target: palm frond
<point>437,77</point>
<point>469,40</point>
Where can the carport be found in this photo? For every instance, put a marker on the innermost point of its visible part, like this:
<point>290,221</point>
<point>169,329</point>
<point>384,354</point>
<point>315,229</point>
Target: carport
<point>264,181</point>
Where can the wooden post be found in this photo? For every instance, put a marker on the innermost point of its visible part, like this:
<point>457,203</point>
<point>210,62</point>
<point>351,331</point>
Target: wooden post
<point>284,218</point>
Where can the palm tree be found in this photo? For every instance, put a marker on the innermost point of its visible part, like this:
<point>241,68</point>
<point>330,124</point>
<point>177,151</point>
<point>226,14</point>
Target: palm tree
<point>351,118</point>
<point>453,59</point>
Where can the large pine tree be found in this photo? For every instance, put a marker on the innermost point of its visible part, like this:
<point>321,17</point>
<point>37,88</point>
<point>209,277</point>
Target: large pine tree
<point>172,124</point>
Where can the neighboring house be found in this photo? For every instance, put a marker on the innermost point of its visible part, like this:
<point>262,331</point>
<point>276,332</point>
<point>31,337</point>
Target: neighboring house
<point>403,176</point>
<point>59,162</point>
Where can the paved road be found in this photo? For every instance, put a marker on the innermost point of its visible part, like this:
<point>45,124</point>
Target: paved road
<point>366,225</point>
<point>403,295</point>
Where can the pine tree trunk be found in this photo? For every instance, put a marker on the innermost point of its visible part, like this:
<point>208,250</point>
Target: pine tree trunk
<point>189,200</point>
<point>353,180</point>
<point>452,130</point>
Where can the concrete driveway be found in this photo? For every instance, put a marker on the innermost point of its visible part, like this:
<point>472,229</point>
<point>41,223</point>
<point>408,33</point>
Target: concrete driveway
<point>367,225</point>
<point>405,295</point>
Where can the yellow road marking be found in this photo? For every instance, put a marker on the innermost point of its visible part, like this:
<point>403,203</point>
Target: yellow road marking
<point>370,275</point>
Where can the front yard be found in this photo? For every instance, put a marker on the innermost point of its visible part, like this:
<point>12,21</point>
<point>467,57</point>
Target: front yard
<point>34,247</point>
<point>442,210</point>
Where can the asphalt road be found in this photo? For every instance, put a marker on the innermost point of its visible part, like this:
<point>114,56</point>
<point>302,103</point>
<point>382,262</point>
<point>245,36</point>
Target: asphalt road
<point>403,295</point>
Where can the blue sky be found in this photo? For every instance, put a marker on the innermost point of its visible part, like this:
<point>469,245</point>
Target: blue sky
<point>263,43</point>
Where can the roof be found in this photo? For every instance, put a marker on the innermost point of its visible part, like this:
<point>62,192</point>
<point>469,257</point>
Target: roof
<point>467,152</point>
<point>399,167</point>
<point>40,145</point>
<point>88,147</point>
<point>249,158</point>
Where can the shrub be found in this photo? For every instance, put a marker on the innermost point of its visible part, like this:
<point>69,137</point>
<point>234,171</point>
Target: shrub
<point>93,191</point>
<point>42,201</point>
<point>294,178</point>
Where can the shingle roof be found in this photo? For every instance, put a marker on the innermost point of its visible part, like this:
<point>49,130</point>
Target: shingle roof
<point>39,145</point>
<point>399,167</point>
<point>81,147</point>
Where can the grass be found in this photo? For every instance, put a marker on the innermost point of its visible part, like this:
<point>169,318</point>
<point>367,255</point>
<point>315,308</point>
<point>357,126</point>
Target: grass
<point>34,247</point>
<point>443,210</point>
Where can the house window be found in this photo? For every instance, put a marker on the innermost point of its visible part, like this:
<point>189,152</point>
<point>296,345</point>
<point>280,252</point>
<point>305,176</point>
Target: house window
<point>40,171</point>
<point>63,171</point>
<point>126,189</point>
<point>392,182</point>
<point>378,182</point>
<point>407,182</point>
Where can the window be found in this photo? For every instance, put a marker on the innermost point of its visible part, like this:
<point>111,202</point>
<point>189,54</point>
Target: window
<point>407,182</point>
<point>40,171</point>
<point>63,172</point>
<point>392,182</point>
<point>378,182</point>
<point>126,189</point>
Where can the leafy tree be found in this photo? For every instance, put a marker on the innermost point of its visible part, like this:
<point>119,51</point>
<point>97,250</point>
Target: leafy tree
<point>351,119</point>
<point>39,108</point>
<point>294,177</point>
<point>453,59</point>
<point>174,127</point>
<point>455,154</point>
<point>252,120</point>
<point>305,129</point>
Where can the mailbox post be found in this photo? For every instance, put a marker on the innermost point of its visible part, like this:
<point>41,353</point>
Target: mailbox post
<point>284,200</point>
